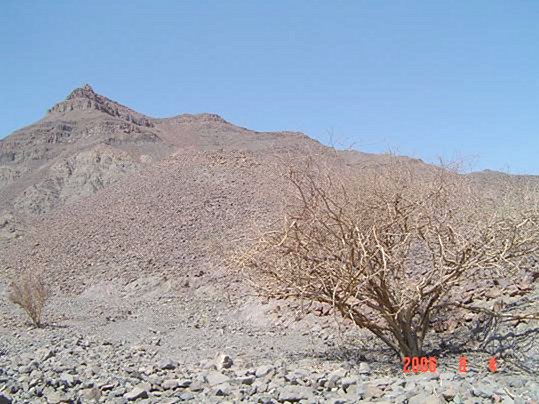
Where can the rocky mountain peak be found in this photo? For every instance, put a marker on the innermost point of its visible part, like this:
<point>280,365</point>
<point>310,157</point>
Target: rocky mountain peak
<point>85,91</point>
<point>85,98</point>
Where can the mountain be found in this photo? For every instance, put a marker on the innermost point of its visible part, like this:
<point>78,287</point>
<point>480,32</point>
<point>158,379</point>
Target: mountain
<point>134,221</point>
<point>83,144</point>
<point>88,142</point>
<point>98,189</point>
<point>96,184</point>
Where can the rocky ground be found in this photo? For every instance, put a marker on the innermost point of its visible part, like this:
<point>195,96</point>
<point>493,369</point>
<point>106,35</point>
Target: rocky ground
<point>148,341</point>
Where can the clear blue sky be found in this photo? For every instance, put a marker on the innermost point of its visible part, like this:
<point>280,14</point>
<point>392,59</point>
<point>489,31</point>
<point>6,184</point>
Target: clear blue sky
<point>423,78</point>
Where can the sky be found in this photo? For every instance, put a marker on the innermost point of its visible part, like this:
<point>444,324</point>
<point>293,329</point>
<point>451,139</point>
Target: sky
<point>429,79</point>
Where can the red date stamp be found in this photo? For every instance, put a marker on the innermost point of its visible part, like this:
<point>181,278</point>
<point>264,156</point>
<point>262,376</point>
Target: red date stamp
<point>423,364</point>
<point>417,364</point>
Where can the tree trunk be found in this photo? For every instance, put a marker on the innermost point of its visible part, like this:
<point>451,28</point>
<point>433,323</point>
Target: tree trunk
<point>409,343</point>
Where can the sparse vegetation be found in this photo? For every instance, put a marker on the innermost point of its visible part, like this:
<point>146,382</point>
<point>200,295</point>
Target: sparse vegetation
<point>31,293</point>
<point>392,248</point>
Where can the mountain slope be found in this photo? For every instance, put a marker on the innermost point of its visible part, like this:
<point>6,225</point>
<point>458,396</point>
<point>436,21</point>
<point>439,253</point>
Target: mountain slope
<point>82,145</point>
<point>97,190</point>
<point>118,193</point>
<point>88,141</point>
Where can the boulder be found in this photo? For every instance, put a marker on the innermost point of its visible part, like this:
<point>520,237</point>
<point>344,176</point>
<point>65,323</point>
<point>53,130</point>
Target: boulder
<point>223,361</point>
<point>215,378</point>
<point>294,393</point>
<point>135,394</point>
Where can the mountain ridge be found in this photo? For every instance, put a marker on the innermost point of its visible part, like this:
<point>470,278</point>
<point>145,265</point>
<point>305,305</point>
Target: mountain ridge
<point>56,173</point>
<point>88,142</point>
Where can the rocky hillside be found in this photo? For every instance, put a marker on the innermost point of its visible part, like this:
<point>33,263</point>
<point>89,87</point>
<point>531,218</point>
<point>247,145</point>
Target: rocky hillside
<point>134,221</point>
<point>82,145</point>
<point>190,185</point>
<point>88,142</point>
<point>97,189</point>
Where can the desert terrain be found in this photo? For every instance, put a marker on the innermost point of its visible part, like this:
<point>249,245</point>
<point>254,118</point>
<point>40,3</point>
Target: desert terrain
<point>135,222</point>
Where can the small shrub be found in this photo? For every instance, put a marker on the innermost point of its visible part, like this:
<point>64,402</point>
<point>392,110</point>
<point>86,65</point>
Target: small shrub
<point>31,293</point>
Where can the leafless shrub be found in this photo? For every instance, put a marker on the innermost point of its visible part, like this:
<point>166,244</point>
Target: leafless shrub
<point>390,248</point>
<point>31,293</point>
